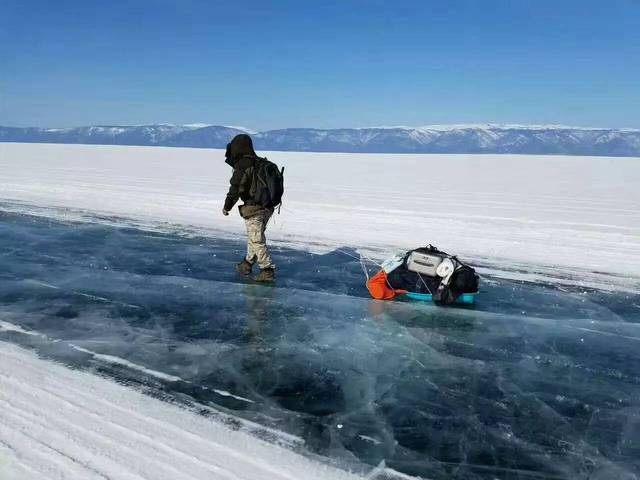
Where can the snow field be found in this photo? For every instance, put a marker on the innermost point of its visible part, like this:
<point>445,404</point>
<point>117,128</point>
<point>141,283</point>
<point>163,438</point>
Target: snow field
<point>564,212</point>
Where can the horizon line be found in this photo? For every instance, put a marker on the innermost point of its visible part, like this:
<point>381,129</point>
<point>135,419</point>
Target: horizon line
<point>436,127</point>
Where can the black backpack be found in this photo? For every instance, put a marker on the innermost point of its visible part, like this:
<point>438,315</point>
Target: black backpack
<point>463,280</point>
<point>267,184</point>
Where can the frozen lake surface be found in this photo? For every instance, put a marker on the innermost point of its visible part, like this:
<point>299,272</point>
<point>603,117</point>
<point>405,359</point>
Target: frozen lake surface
<point>539,380</point>
<point>575,213</point>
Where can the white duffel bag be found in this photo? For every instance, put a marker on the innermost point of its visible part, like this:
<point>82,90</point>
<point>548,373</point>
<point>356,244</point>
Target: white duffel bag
<point>425,263</point>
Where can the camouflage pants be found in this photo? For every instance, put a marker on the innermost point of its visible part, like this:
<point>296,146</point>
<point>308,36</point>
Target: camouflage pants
<point>256,241</point>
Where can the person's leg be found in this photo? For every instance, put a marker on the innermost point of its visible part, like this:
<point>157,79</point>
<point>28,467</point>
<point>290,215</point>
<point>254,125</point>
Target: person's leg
<point>254,234</point>
<point>260,241</point>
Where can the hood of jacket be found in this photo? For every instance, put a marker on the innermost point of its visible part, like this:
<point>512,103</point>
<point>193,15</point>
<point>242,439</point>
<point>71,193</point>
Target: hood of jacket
<point>240,146</point>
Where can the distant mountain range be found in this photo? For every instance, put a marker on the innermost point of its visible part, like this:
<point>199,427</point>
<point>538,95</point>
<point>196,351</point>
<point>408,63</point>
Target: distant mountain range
<point>488,138</point>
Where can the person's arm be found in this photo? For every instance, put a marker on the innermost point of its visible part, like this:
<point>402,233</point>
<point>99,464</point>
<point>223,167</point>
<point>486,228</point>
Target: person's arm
<point>234,189</point>
<point>236,183</point>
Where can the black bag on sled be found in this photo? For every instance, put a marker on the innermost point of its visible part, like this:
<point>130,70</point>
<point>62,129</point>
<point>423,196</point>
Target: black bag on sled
<point>428,270</point>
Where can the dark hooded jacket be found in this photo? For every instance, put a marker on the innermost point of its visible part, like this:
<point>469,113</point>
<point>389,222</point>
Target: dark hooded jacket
<point>241,157</point>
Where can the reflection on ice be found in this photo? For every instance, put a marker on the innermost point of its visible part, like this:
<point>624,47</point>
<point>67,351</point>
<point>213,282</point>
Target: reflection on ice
<point>535,382</point>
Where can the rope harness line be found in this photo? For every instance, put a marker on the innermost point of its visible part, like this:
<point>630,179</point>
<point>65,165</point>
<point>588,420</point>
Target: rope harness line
<point>425,284</point>
<point>364,268</point>
<point>362,259</point>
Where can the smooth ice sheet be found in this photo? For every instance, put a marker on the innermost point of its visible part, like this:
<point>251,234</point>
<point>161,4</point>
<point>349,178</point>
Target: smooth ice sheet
<point>538,380</point>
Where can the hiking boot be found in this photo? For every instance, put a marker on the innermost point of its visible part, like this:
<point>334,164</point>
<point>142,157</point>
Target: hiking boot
<point>244,267</point>
<point>266,275</point>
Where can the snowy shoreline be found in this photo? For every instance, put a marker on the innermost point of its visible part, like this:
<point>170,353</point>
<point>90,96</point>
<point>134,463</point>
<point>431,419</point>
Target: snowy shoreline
<point>61,423</point>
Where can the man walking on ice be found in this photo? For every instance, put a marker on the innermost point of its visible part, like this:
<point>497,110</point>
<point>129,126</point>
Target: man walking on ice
<point>259,184</point>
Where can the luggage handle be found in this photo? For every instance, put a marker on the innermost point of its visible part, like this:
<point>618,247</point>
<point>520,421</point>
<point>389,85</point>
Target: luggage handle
<point>423,263</point>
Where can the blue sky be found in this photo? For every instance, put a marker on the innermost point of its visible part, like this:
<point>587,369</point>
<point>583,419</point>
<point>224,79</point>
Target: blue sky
<point>265,64</point>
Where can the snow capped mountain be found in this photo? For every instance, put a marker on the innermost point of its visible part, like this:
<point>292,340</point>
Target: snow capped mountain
<point>211,136</point>
<point>457,139</point>
<point>481,138</point>
<point>100,134</point>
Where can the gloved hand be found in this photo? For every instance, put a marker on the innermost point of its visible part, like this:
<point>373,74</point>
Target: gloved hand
<point>225,212</point>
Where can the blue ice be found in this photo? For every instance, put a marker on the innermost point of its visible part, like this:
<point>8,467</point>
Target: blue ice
<point>536,381</point>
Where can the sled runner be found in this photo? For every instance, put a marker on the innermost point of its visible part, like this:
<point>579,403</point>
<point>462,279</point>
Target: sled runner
<point>425,274</point>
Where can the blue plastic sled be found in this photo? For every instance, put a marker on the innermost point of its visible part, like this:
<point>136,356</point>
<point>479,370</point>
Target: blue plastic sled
<point>464,299</point>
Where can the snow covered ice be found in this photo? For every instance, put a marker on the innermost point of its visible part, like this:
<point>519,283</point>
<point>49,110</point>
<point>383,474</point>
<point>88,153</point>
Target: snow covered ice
<point>539,380</point>
<point>116,262</point>
<point>539,210</point>
<point>70,424</point>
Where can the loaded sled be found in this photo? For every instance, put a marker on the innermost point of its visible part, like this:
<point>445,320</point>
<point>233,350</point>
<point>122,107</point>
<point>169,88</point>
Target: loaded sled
<point>425,274</point>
